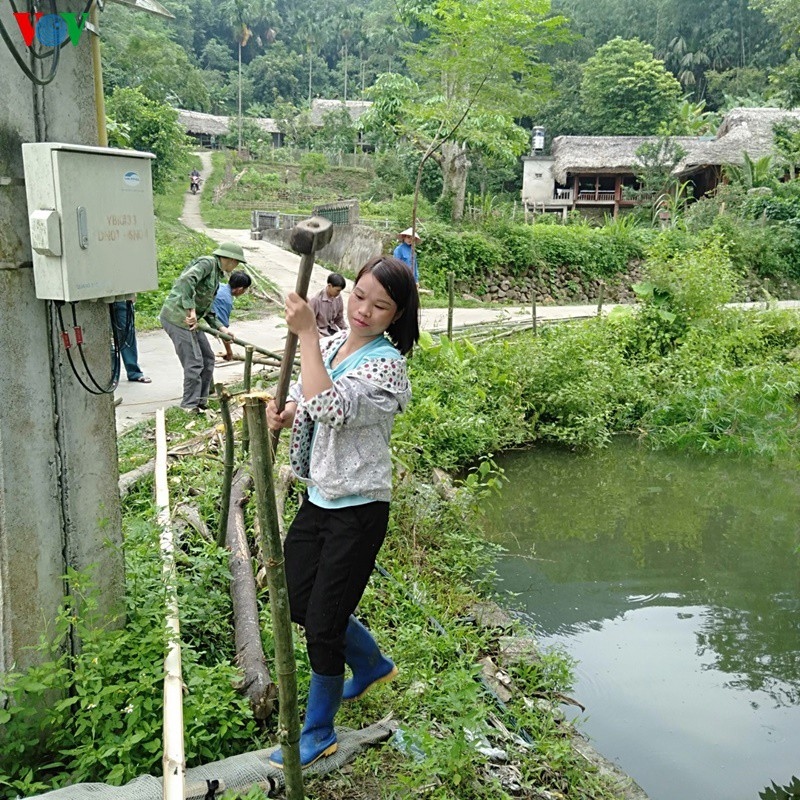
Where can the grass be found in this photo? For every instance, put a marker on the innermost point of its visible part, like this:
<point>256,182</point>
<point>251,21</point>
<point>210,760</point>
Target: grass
<point>177,246</point>
<point>436,698</point>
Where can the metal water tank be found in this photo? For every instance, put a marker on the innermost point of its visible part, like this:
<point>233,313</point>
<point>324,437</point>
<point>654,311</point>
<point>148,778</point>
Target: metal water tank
<point>538,139</point>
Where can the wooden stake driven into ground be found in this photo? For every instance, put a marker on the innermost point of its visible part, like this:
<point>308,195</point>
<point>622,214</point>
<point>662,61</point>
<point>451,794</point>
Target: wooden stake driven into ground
<point>227,478</point>
<point>289,720</point>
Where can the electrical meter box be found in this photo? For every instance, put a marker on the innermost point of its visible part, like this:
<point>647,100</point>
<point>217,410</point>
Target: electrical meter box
<point>91,219</point>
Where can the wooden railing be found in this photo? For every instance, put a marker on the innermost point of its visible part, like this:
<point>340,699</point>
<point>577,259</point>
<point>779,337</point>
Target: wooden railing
<point>597,197</point>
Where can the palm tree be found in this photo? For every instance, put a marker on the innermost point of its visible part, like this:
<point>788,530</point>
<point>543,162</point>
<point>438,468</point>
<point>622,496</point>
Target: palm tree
<point>310,21</point>
<point>752,174</point>
<point>241,16</point>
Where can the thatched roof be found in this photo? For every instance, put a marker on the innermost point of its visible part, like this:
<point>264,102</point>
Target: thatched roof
<point>319,108</point>
<point>212,125</point>
<point>743,130</point>
<point>605,154</point>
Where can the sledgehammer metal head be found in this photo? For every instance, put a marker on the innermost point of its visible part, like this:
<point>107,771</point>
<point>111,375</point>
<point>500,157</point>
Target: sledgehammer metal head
<point>310,235</point>
<point>306,238</point>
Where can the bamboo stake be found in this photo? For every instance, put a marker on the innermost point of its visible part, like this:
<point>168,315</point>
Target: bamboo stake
<point>288,717</point>
<point>248,373</point>
<point>206,328</point>
<point>174,761</point>
<point>257,684</point>
<point>450,300</point>
<point>261,360</point>
<point>227,478</point>
<point>601,297</point>
<point>533,306</point>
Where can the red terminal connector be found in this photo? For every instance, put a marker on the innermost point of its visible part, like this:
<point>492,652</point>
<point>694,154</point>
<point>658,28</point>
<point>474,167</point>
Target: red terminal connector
<point>65,339</point>
<point>78,335</point>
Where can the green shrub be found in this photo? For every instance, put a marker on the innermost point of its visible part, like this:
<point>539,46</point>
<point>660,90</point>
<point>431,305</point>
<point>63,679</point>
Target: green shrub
<point>782,205</point>
<point>473,255</point>
<point>765,249</point>
<point>312,164</point>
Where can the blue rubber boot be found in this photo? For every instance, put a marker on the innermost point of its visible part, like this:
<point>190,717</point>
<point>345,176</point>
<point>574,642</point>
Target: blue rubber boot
<point>318,737</point>
<point>363,656</point>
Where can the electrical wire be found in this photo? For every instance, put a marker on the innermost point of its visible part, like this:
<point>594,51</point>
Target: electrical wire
<point>68,347</point>
<point>115,353</point>
<point>52,53</point>
<point>99,390</point>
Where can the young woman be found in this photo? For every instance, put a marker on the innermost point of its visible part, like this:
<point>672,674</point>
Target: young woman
<point>341,411</point>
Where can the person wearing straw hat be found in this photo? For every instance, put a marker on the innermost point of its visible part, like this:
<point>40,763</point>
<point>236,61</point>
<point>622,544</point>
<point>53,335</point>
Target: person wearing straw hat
<point>191,299</point>
<point>405,251</point>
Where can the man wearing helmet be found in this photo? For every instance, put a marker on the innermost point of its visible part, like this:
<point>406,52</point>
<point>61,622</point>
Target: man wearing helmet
<point>191,299</point>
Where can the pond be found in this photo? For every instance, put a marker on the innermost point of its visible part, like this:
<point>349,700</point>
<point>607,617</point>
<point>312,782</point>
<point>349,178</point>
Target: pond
<point>674,581</point>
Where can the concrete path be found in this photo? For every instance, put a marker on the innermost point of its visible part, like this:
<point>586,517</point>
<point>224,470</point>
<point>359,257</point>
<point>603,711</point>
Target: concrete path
<point>157,356</point>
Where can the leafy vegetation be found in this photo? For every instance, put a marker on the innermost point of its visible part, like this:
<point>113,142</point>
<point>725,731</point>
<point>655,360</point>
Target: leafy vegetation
<point>145,124</point>
<point>626,91</point>
<point>682,372</point>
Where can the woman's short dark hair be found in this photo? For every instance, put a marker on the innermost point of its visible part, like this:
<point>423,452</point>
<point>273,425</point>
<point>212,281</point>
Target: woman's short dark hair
<point>239,279</point>
<point>335,279</point>
<point>398,281</point>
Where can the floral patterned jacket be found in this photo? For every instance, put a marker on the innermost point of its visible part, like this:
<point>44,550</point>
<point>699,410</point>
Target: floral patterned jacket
<point>340,437</point>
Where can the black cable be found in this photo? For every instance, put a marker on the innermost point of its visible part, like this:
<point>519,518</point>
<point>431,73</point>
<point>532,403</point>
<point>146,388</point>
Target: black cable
<point>23,66</point>
<point>129,333</point>
<point>109,389</point>
<point>67,347</point>
<point>53,53</point>
<point>441,630</point>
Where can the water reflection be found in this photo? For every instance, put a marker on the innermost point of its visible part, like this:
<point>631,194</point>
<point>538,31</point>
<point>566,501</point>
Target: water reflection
<point>686,564</point>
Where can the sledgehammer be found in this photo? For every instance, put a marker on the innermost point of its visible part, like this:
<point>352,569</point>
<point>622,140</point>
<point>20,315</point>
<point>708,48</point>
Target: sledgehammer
<point>306,238</point>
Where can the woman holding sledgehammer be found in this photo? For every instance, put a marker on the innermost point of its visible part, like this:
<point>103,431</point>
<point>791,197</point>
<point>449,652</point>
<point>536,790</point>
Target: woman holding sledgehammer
<point>341,411</point>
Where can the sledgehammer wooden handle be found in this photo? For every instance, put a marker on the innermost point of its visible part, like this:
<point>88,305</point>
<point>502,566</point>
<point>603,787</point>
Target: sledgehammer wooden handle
<point>306,238</point>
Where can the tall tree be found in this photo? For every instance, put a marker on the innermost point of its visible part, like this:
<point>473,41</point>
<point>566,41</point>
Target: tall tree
<point>148,125</point>
<point>786,15</point>
<point>242,16</point>
<point>479,60</point>
<point>627,91</point>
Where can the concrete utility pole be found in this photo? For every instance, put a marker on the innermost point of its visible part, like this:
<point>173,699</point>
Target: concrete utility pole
<point>59,503</point>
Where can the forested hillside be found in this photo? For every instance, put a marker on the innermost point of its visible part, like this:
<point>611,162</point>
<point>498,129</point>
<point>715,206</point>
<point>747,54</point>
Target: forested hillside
<point>722,52</point>
<point>456,85</point>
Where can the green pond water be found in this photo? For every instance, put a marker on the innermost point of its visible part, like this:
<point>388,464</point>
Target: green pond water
<point>674,581</point>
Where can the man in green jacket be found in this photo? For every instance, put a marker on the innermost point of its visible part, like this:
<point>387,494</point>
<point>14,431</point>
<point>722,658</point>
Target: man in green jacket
<point>190,300</point>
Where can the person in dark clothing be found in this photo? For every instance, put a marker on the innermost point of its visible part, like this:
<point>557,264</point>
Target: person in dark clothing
<point>124,322</point>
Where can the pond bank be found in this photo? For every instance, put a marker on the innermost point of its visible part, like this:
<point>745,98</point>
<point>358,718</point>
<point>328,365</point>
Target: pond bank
<point>513,648</point>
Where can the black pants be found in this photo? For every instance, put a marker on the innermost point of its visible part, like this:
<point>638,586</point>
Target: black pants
<point>330,554</point>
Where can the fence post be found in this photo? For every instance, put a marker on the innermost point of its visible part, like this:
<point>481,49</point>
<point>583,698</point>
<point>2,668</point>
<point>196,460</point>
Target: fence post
<point>248,373</point>
<point>533,304</point>
<point>600,298</point>
<point>269,534</point>
<point>451,277</point>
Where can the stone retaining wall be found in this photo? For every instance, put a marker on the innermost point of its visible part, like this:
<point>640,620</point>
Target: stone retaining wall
<point>557,285</point>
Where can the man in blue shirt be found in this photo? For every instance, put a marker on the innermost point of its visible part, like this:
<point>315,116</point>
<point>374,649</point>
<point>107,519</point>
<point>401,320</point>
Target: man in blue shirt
<point>406,253</point>
<point>237,285</point>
